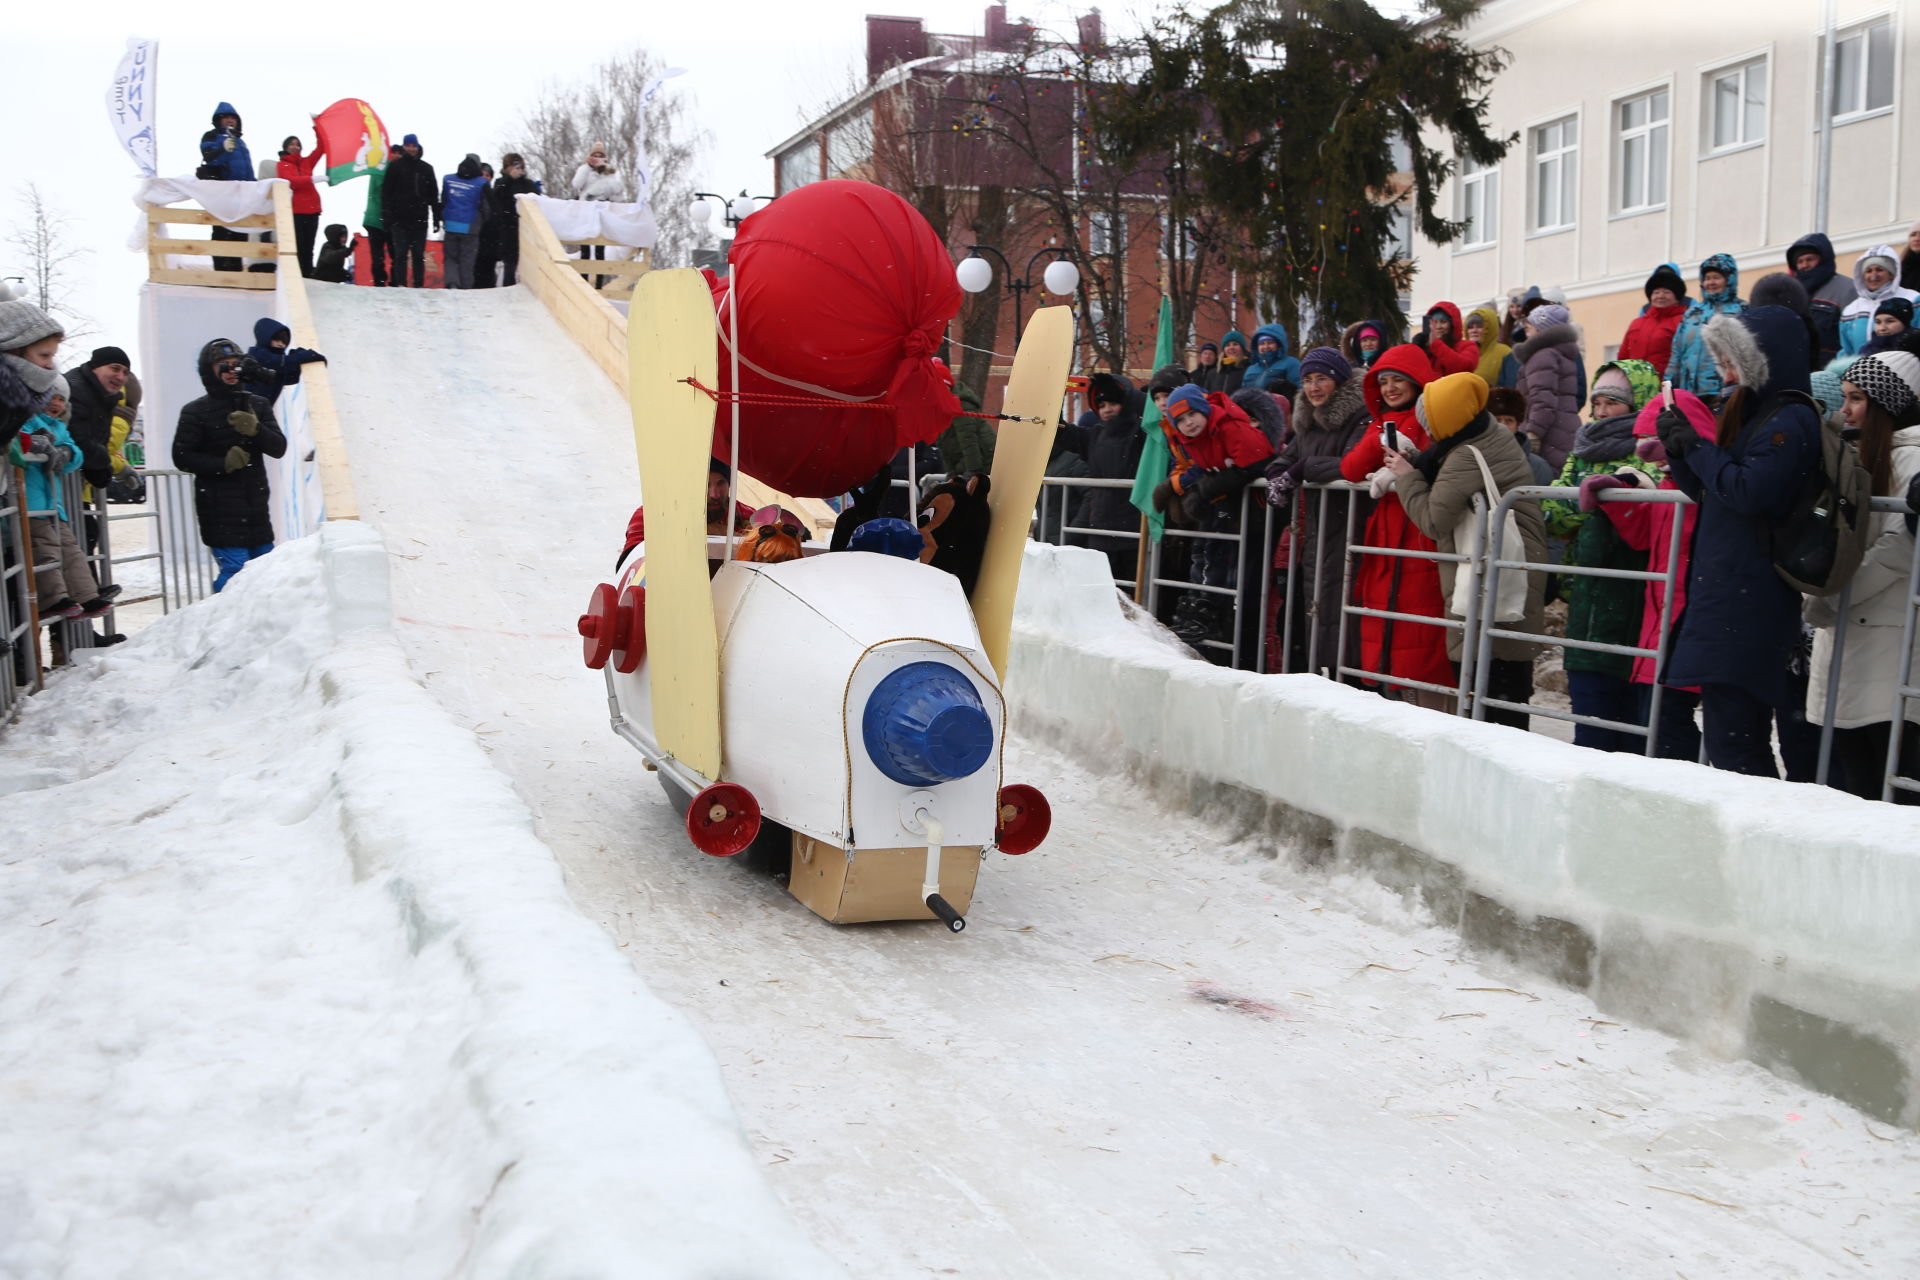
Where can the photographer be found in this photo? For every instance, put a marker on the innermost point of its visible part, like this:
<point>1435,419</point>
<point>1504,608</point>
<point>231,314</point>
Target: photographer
<point>221,439</point>
<point>224,158</point>
<point>597,179</point>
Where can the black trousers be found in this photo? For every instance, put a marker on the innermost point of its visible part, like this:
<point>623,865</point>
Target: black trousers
<point>378,245</point>
<point>304,227</point>
<point>1739,730</point>
<point>1859,760</point>
<point>409,245</point>
<point>227,233</point>
<point>1510,680</point>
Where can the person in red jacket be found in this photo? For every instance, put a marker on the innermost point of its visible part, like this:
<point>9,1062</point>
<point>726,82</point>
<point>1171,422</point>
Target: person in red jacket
<point>297,169</point>
<point>1217,452</point>
<point>1397,584</point>
<point>1650,336</point>
<point>1444,340</point>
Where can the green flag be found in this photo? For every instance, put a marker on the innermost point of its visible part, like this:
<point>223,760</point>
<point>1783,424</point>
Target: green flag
<point>1155,458</point>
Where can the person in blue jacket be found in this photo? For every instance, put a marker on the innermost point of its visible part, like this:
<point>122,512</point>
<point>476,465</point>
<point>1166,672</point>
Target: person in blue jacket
<point>462,208</point>
<point>1692,367</point>
<point>224,158</point>
<point>1271,368</point>
<point>1737,633</point>
<point>280,362</point>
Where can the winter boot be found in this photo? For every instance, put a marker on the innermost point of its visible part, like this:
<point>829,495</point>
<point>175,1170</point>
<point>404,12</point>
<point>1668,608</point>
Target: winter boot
<point>61,610</point>
<point>96,607</point>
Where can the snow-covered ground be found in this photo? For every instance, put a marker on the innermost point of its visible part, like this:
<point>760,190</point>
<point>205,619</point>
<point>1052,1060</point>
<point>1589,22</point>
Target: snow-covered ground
<point>290,987</point>
<point>1154,1052</point>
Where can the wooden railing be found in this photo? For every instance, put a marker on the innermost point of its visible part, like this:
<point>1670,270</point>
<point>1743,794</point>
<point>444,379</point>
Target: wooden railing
<point>159,245</point>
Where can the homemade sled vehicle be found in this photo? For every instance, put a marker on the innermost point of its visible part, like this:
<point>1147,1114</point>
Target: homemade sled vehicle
<point>839,715</point>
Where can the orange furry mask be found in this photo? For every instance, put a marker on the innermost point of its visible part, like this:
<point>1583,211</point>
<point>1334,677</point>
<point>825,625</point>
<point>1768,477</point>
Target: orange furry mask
<point>775,538</point>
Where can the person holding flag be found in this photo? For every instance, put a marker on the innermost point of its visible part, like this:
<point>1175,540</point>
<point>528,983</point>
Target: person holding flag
<point>297,170</point>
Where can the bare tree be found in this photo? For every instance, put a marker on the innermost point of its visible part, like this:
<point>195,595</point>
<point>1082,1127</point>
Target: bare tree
<point>44,236</point>
<point>605,105</point>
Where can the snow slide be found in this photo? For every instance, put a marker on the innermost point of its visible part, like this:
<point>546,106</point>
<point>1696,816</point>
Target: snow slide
<point>292,989</point>
<point>1157,1050</point>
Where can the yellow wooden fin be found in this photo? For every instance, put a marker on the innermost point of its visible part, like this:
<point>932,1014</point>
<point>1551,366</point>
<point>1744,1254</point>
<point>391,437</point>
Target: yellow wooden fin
<point>670,338</point>
<point>1035,391</point>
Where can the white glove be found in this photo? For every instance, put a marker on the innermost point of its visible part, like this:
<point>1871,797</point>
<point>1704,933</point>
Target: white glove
<point>1380,483</point>
<point>226,143</point>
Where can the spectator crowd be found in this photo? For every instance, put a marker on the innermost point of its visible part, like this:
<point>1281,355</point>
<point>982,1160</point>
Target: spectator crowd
<point>1766,410</point>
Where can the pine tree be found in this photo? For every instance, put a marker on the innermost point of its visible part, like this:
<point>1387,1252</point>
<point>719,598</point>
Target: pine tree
<point>1287,114</point>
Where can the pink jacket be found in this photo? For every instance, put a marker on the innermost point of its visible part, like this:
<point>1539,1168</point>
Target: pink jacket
<point>1648,526</point>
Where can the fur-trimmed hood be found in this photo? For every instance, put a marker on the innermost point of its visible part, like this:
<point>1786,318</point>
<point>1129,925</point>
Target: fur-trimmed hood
<point>1766,347</point>
<point>1348,399</point>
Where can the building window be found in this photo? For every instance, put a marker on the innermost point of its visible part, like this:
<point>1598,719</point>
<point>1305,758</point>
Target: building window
<point>1184,247</point>
<point>1862,69</point>
<point>1479,204</point>
<point>800,166</point>
<point>1106,232</point>
<point>1641,152</point>
<point>1556,173</point>
<point>849,143</point>
<point>1736,104</point>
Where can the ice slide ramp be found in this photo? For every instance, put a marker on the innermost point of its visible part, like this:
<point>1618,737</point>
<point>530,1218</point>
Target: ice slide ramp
<point>1157,1051</point>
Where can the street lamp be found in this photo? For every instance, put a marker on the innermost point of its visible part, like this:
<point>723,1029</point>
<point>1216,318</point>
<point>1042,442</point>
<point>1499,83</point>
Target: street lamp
<point>734,211</point>
<point>974,274</point>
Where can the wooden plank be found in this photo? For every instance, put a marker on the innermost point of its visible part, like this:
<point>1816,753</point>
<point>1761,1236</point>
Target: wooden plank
<point>157,213</point>
<point>262,280</point>
<point>1034,394</point>
<point>670,338</point>
<point>323,415</point>
<point>216,248</point>
<point>595,267</point>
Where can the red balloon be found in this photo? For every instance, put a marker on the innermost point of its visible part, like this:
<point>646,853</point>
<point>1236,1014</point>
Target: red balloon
<point>845,294</point>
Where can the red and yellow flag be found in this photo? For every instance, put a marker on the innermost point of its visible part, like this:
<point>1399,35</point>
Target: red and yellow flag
<point>353,138</point>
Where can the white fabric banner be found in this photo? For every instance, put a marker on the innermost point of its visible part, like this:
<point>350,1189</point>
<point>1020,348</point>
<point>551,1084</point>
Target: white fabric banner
<point>131,104</point>
<point>232,200</point>
<point>618,221</point>
<point>642,174</point>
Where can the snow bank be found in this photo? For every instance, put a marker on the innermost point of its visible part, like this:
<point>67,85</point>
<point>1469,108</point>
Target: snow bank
<point>293,989</point>
<point>1761,918</point>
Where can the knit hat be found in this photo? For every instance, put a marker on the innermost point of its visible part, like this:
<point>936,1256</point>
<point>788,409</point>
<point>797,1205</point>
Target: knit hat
<point>1448,404</point>
<point>1899,308</point>
<point>1549,314</point>
<point>1780,290</point>
<point>22,324</point>
<point>1168,378</point>
<point>1666,276</point>
<point>60,388</point>
<point>1188,399</point>
<point>1325,360</point>
<point>108,355</point>
<point>411,140</point>
<point>1612,383</point>
<point>1890,379</point>
<point>1883,260</point>
<point>715,467</point>
<point>1210,346</point>
<point>1507,402</point>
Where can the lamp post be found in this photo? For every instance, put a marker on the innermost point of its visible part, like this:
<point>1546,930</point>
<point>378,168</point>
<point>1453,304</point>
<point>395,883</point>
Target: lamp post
<point>975,274</point>
<point>734,211</point>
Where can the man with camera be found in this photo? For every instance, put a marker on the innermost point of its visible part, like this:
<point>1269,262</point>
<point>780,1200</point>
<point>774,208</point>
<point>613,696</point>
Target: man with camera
<point>222,438</point>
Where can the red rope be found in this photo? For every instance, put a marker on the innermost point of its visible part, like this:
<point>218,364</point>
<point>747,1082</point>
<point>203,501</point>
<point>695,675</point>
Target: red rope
<point>770,398</point>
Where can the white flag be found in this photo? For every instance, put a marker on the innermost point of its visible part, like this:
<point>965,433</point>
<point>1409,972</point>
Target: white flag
<point>131,104</point>
<point>642,177</point>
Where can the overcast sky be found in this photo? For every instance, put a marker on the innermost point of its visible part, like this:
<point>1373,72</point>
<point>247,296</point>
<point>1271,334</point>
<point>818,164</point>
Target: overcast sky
<point>457,74</point>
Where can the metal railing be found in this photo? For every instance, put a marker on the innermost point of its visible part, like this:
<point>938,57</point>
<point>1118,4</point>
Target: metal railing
<point>1251,532</point>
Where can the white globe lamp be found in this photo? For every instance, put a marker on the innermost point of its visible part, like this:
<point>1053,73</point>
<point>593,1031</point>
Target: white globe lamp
<point>974,274</point>
<point>1061,277</point>
<point>742,206</point>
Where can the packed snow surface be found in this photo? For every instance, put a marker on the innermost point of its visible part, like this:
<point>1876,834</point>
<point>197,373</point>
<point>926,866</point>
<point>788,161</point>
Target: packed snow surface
<point>291,988</point>
<point>1154,1052</point>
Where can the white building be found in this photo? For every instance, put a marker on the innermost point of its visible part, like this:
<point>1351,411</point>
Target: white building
<point>1655,132</point>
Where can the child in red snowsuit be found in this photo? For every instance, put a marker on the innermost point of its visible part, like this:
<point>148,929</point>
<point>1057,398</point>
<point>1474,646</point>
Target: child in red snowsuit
<point>1217,451</point>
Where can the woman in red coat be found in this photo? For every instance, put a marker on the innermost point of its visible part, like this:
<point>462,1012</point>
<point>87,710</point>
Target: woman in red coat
<point>297,169</point>
<point>1444,340</point>
<point>1400,584</point>
<point>1650,336</point>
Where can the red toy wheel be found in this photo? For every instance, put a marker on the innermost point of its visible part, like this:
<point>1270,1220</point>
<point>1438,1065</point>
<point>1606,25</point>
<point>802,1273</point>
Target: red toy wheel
<point>630,630</point>
<point>723,819</point>
<point>596,627</point>
<point>1025,819</point>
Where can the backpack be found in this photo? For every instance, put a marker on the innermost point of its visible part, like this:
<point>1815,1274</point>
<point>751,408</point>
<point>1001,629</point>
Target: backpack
<point>1819,544</point>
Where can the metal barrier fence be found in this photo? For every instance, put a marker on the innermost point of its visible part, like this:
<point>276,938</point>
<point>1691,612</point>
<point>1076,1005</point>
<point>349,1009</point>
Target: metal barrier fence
<point>184,569</point>
<point>1248,532</point>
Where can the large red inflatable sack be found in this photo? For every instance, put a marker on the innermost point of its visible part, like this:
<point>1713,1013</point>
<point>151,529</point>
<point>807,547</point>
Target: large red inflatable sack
<point>845,293</point>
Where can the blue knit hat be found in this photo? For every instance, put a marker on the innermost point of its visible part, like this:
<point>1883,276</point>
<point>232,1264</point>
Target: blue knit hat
<point>411,140</point>
<point>1328,361</point>
<point>1188,399</point>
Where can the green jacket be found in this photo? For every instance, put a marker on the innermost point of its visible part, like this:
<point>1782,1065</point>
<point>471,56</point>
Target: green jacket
<point>1606,610</point>
<point>371,218</point>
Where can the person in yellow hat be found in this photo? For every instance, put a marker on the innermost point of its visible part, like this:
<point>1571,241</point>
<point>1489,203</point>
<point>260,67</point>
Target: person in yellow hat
<point>1436,486</point>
